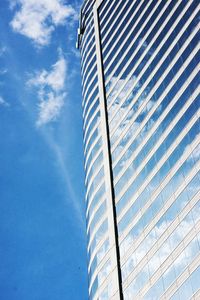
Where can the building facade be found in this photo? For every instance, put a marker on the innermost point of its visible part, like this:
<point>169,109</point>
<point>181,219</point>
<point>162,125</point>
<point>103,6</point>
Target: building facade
<point>141,112</point>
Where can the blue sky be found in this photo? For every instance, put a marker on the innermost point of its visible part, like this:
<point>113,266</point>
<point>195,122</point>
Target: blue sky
<point>42,225</point>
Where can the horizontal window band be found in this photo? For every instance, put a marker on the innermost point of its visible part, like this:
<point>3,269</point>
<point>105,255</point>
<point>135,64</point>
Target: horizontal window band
<point>119,32</point>
<point>112,23</point>
<point>126,253</point>
<point>186,274</point>
<point>156,68</point>
<point>173,123</point>
<point>131,44</point>
<point>97,249</point>
<point>168,231</point>
<point>158,123</point>
<point>152,41</point>
<point>137,215</point>
<point>163,95</point>
<point>175,253</point>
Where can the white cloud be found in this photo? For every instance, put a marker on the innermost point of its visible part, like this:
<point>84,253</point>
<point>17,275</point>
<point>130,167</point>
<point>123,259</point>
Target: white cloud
<point>49,110</point>
<point>51,90</point>
<point>37,19</point>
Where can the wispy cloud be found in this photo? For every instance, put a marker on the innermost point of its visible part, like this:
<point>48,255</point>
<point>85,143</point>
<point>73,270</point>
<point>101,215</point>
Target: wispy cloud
<point>37,19</point>
<point>3,50</point>
<point>3,71</point>
<point>51,90</point>
<point>60,158</point>
<point>3,102</point>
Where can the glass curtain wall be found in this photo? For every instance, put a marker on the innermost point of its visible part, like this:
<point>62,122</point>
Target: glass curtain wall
<point>150,70</point>
<point>150,53</point>
<point>96,201</point>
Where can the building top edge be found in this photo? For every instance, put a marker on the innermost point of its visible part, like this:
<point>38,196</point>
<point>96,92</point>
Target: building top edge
<point>87,4</point>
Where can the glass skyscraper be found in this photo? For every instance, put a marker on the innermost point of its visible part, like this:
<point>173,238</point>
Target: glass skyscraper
<point>141,112</point>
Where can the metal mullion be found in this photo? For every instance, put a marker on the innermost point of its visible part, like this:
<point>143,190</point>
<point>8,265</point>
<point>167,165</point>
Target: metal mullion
<point>112,222</point>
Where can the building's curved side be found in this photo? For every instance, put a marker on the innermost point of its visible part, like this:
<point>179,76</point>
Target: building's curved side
<point>141,110</point>
<point>102,256</point>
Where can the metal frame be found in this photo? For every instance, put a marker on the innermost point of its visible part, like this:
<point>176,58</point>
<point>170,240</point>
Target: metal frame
<point>111,212</point>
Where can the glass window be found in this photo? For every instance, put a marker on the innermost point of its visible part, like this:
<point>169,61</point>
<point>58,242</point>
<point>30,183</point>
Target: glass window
<point>98,236</point>
<point>98,257</point>
<point>103,273</point>
<point>189,287</point>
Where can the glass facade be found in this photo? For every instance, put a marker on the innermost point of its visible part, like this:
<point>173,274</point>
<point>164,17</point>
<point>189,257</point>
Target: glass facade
<point>141,111</point>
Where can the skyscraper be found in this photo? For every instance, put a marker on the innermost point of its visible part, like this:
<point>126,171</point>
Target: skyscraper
<point>141,110</point>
